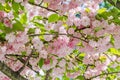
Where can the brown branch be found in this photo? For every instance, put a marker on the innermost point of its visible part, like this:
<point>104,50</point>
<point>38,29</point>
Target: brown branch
<point>15,55</point>
<point>10,73</point>
<point>39,5</point>
<point>27,61</point>
<point>110,58</point>
<point>45,34</point>
<point>59,34</point>
<point>28,65</point>
<point>47,77</point>
<point>41,2</point>
<point>44,7</point>
<point>76,58</point>
<point>85,71</point>
<point>82,28</point>
<point>117,5</point>
<point>7,57</point>
<point>104,74</point>
<point>19,56</point>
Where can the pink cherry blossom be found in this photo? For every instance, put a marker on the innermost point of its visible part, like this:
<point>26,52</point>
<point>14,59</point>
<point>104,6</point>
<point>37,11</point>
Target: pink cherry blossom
<point>10,37</point>
<point>85,21</point>
<point>71,31</point>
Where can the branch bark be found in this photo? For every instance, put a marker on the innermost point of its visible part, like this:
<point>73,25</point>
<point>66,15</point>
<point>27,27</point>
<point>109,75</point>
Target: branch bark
<point>117,5</point>
<point>26,62</point>
<point>47,74</point>
<point>105,74</point>
<point>10,73</point>
<point>44,7</point>
<point>32,35</point>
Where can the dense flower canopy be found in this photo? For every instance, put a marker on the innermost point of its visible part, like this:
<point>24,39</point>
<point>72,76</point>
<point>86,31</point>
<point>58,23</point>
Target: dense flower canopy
<point>60,39</point>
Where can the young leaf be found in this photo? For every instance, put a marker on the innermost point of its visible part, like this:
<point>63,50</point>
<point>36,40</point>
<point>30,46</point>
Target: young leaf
<point>18,26</point>
<point>31,1</point>
<point>1,7</point>
<point>41,62</point>
<point>15,6</point>
<point>53,18</point>
<point>23,18</point>
<point>7,7</point>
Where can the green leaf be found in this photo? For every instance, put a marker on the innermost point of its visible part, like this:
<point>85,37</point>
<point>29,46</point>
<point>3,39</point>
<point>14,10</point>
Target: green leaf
<point>53,32</point>
<point>31,1</point>
<point>115,1</point>
<point>112,40</point>
<point>15,6</point>
<point>24,53</point>
<point>53,18</point>
<point>80,78</point>
<point>1,7</point>
<point>22,7</point>
<point>2,37</point>
<point>7,7</point>
<point>51,60</point>
<point>23,18</point>
<point>37,18</point>
<point>39,25</point>
<point>63,18</point>
<point>97,28</point>
<point>2,26</point>
<point>8,30</point>
<point>100,11</point>
<point>17,26</point>
<point>41,62</point>
<point>31,31</point>
<point>114,51</point>
<point>8,1</point>
<point>65,77</point>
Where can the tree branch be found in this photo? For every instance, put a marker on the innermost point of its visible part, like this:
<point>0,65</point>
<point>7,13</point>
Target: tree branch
<point>104,74</point>
<point>19,56</point>
<point>47,74</point>
<point>28,65</point>
<point>60,34</point>
<point>117,5</point>
<point>44,7</point>
<point>27,61</point>
<point>10,73</point>
<point>110,58</point>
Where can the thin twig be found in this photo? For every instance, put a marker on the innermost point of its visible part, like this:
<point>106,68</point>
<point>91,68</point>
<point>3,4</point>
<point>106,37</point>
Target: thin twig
<point>60,34</point>
<point>9,58</point>
<point>15,55</point>
<point>47,74</point>
<point>85,71</point>
<point>28,58</point>
<point>104,74</point>
<point>55,11</point>
<point>45,34</point>
<point>20,56</point>
<point>108,57</point>
<point>41,2</point>
<point>111,59</point>
<point>44,7</point>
